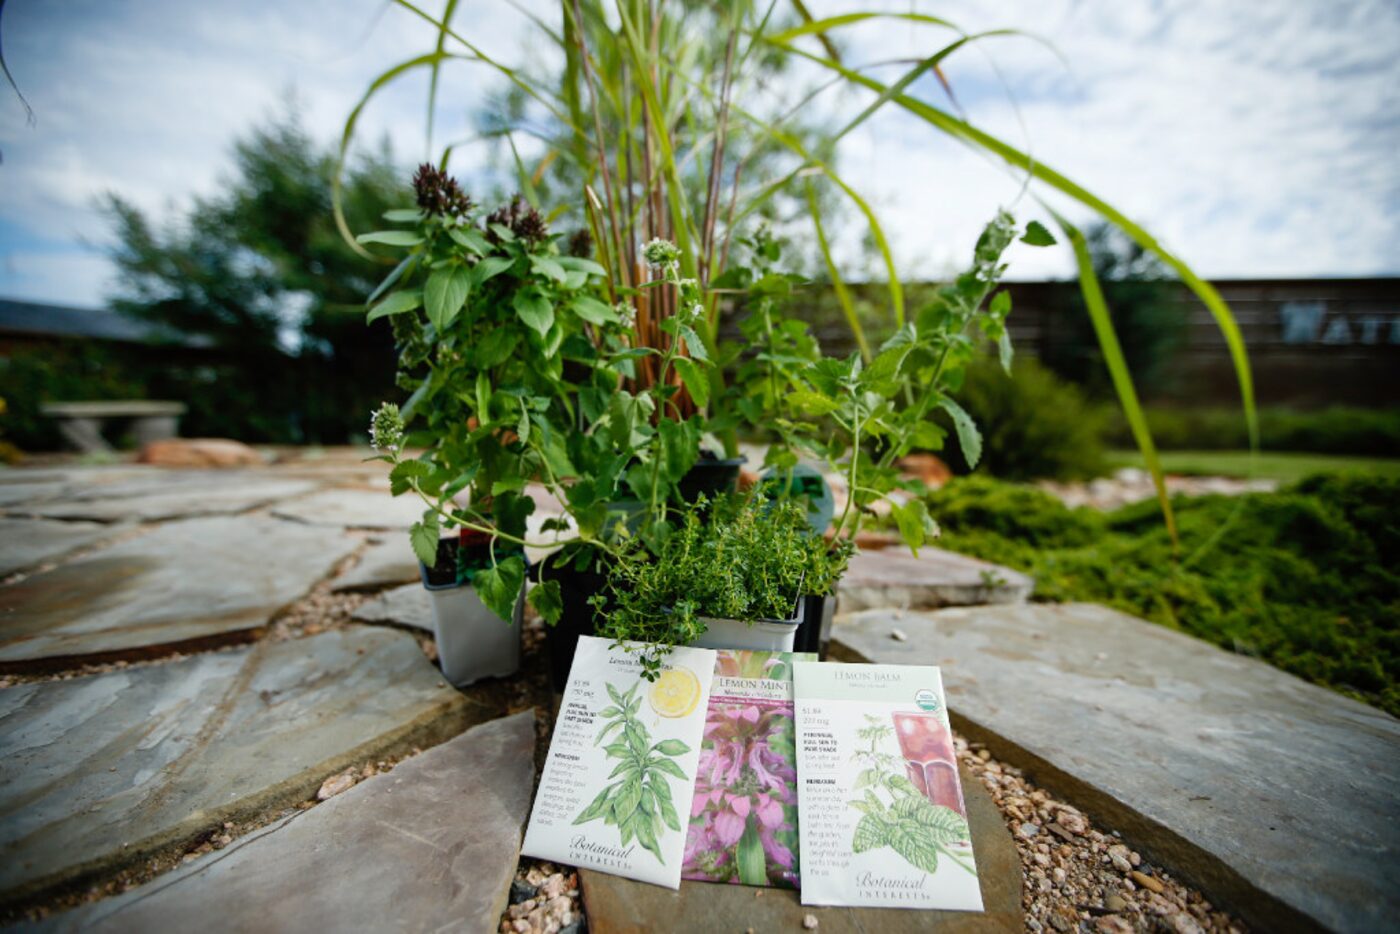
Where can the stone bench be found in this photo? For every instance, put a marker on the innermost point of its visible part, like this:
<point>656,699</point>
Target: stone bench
<point>81,423</point>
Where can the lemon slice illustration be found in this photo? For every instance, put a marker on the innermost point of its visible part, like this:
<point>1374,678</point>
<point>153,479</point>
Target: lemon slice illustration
<point>675,693</point>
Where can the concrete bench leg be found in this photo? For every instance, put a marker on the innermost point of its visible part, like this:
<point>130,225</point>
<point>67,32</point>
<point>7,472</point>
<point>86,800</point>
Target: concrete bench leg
<point>85,434</point>
<point>155,428</point>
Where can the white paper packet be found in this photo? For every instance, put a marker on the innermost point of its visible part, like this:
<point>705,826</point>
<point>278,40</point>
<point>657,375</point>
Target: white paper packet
<point>883,821</point>
<point>617,784</point>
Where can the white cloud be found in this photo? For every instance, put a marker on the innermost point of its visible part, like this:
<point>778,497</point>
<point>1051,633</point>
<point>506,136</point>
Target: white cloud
<point>1254,139</point>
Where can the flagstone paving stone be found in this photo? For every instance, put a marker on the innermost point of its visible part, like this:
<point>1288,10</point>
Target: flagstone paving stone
<point>25,543</point>
<point>183,584</point>
<point>101,773</point>
<point>621,906</point>
<point>1274,796</point>
<point>410,605</point>
<point>176,500</point>
<point>895,577</point>
<point>385,562</point>
<point>358,509</point>
<point>430,846</point>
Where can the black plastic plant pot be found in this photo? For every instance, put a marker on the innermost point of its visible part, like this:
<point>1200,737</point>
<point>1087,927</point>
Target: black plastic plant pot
<point>710,477</point>
<point>472,641</point>
<point>578,617</point>
<point>815,634</point>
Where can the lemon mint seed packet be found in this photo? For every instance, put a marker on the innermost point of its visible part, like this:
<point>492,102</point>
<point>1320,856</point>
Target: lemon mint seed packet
<point>883,818</point>
<point>615,793</point>
<point>743,817</point>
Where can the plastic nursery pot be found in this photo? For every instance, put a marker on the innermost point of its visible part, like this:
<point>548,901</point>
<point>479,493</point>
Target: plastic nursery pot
<point>710,476</point>
<point>815,634</point>
<point>767,635</point>
<point>472,641</point>
<point>578,618</point>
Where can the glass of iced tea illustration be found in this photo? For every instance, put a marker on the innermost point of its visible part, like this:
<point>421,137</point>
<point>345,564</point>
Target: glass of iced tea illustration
<point>929,760</point>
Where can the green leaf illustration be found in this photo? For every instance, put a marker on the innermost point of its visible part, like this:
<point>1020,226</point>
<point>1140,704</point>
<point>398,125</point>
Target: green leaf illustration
<point>871,834</point>
<point>672,747</point>
<point>916,844</point>
<point>749,857</point>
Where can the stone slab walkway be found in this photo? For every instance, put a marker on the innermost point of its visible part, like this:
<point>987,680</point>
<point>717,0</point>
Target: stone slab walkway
<point>354,509</point>
<point>184,583</point>
<point>25,543</point>
<point>621,906</point>
<point>410,605</point>
<point>175,499</point>
<point>385,563</point>
<point>1276,797</point>
<point>103,772</point>
<point>895,577</point>
<point>430,846</point>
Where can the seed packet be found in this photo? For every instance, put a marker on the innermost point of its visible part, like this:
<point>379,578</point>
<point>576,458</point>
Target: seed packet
<point>743,818</point>
<point>621,766</point>
<point>883,818</point>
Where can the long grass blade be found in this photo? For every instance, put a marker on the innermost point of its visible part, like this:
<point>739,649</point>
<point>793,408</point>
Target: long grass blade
<point>966,132</point>
<point>448,10</point>
<point>1118,371</point>
<point>843,295</point>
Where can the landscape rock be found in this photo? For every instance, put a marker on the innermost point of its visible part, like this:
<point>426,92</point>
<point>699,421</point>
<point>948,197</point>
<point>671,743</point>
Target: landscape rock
<point>1217,765</point>
<point>355,509</point>
<point>198,452</point>
<point>622,906</point>
<point>895,577</point>
<point>385,562</point>
<point>429,846</point>
<point>182,585</point>
<point>25,543</point>
<point>177,499</point>
<point>103,773</point>
<point>410,605</point>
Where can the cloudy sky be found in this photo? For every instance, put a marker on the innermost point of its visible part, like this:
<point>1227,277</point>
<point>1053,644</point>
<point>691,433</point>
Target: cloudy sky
<point>1255,139</point>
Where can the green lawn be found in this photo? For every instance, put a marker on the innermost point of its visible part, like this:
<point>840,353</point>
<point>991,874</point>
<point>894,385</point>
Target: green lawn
<point>1272,465</point>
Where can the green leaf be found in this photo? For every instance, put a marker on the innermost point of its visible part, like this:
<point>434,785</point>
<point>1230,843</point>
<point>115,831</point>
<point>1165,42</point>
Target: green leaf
<point>1037,235</point>
<point>672,747</point>
<point>693,343</point>
<point>490,267</point>
<point>912,520</point>
<point>669,767</point>
<point>499,586</point>
<point>391,238</point>
<point>870,834</point>
<point>403,215</point>
<point>680,447</point>
<point>396,303</point>
<point>597,808</point>
<point>406,471</point>
<point>470,239</point>
<point>534,309</point>
<point>444,294</point>
<point>969,438</point>
<point>750,859</point>
<point>545,597</point>
<point>811,403</point>
<point>547,266</point>
<point>695,380</point>
<point>496,347</point>
<point>915,844</point>
<point>592,310</point>
<point>423,536</point>
<point>581,264</point>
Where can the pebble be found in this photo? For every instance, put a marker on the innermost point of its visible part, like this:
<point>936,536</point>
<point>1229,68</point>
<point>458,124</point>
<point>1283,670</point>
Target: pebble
<point>1148,882</point>
<point>899,635</point>
<point>1028,829</point>
<point>553,886</point>
<point>521,891</point>
<point>335,785</point>
<point>810,922</point>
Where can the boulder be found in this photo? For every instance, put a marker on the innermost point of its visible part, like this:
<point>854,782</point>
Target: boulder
<point>199,452</point>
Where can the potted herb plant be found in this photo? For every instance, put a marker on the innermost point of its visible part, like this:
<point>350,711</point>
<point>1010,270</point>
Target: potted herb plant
<point>488,315</point>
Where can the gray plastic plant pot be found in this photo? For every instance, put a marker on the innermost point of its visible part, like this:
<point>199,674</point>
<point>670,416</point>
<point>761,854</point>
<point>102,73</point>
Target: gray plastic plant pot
<point>766,635</point>
<point>473,642</point>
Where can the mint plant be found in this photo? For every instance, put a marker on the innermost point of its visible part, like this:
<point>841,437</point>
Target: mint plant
<point>639,803</point>
<point>895,814</point>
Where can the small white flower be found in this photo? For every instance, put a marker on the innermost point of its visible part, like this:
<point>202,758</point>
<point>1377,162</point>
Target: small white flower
<point>627,313</point>
<point>660,252</point>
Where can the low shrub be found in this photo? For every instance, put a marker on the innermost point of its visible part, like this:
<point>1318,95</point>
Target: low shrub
<point>1336,430</point>
<point>1305,578</point>
<point>1034,425</point>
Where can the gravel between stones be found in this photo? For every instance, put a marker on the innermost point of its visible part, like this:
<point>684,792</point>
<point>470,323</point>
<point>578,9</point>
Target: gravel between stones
<point>1074,877</point>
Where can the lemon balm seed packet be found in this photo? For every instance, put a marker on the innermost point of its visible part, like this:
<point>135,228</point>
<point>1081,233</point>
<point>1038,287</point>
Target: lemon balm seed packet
<point>616,789</point>
<point>884,823</point>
